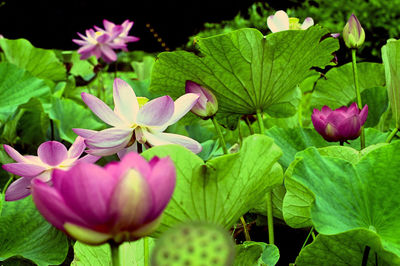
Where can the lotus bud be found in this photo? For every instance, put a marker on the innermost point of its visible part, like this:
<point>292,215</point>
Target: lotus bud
<point>207,104</point>
<point>353,33</point>
<point>342,124</point>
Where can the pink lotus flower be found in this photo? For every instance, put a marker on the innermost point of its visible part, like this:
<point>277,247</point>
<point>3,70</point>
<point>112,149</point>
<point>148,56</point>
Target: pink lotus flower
<point>102,43</point>
<point>51,155</point>
<point>207,105</point>
<point>135,119</point>
<point>122,201</point>
<point>280,21</point>
<point>341,124</point>
<point>123,37</point>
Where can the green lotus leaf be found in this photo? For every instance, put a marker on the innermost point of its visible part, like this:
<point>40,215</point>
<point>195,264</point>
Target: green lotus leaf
<point>246,70</point>
<point>224,188</point>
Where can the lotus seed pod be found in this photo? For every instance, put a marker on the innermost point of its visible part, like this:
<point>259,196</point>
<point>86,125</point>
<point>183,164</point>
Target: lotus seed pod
<point>194,244</point>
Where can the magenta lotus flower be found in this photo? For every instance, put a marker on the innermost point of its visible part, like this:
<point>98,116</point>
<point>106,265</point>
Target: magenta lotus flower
<point>123,38</point>
<point>51,155</point>
<point>342,124</point>
<point>207,105</point>
<point>136,120</point>
<point>102,43</point>
<point>280,21</point>
<point>122,201</point>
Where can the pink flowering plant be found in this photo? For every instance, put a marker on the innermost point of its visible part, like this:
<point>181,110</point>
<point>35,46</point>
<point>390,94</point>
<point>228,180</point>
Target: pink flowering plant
<point>253,150</point>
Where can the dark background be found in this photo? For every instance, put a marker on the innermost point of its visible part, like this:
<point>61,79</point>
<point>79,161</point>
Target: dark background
<point>53,24</point>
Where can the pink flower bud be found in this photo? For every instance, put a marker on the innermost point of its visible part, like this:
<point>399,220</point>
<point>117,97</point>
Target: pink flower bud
<point>353,33</point>
<point>121,202</point>
<point>341,124</point>
<point>207,104</point>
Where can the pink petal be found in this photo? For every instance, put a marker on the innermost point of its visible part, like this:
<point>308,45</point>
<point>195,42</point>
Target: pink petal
<point>52,206</point>
<point>156,139</point>
<point>14,154</point>
<point>278,22</point>
<point>89,159</point>
<point>352,110</point>
<point>125,102</point>
<point>308,22</point>
<point>108,25</point>
<point>24,169</point>
<point>349,128</point>
<point>318,123</point>
<point>325,110</point>
<point>52,153</point>
<point>84,133</point>
<point>19,189</point>
<point>102,110</point>
<point>108,54</point>
<point>131,160</point>
<point>77,148</point>
<point>86,189</point>
<point>157,112</point>
<point>110,137</point>
<point>106,151</point>
<point>363,114</point>
<point>131,201</point>
<point>182,106</point>
<point>335,118</point>
<point>132,148</point>
<point>162,183</point>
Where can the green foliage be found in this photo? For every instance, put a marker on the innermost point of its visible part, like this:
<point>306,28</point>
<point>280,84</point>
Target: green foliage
<point>131,254</point>
<point>352,196</point>
<point>256,254</point>
<point>245,70</point>
<point>194,244</point>
<point>24,232</point>
<point>224,188</point>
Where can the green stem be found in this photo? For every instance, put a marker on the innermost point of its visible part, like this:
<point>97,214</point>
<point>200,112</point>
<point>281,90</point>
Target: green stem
<point>260,122</point>
<point>365,256</point>
<point>146,251</point>
<point>308,236</point>
<point>240,133</point>
<point>115,258</point>
<point>249,125</point>
<point>7,184</point>
<point>246,232</point>
<point>220,136</point>
<point>313,235</point>
<point>392,134</point>
<point>358,93</point>
<point>270,216</point>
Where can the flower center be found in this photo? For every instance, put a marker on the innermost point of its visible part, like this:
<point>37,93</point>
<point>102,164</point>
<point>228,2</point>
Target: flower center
<point>294,24</point>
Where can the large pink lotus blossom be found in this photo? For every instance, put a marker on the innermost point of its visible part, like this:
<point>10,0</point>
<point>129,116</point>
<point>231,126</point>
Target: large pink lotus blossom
<point>122,201</point>
<point>102,43</point>
<point>341,124</point>
<point>51,155</point>
<point>136,120</point>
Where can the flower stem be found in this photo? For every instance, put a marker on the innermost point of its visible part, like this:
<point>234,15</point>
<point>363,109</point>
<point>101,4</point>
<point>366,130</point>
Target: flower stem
<point>246,232</point>
<point>115,258</point>
<point>358,93</point>
<point>392,134</point>
<point>220,136</point>
<point>7,184</point>
<point>270,216</point>
<point>308,236</point>
<point>249,125</point>
<point>146,251</point>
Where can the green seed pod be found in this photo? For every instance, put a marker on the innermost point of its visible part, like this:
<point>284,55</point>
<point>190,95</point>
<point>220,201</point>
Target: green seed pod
<point>194,244</point>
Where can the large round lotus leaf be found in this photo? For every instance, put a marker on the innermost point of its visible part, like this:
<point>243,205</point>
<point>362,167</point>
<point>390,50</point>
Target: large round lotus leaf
<point>351,196</point>
<point>246,70</point>
<point>224,188</point>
